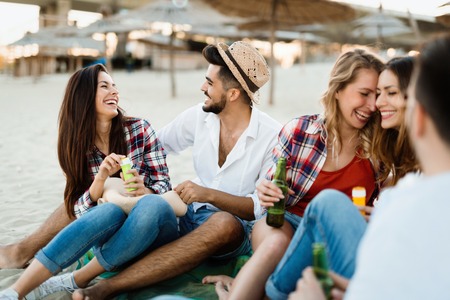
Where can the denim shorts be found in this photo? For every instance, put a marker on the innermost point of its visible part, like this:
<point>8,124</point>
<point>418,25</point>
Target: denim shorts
<point>192,220</point>
<point>293,219</point>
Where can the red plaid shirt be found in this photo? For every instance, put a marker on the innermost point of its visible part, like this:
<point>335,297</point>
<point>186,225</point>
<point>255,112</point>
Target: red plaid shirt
<point>146,154</point>
<point>303,142</point>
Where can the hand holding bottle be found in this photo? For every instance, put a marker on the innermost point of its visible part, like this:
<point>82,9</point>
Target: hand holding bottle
<point>275,213</point>
<point>109,166</point>
<point>359,199</point>
<point>269,193</point>
<point>134,183</point>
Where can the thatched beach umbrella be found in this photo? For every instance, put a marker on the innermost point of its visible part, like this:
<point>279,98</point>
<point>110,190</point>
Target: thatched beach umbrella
<point>112,24</point>
<point>378,26</point>
<point>50,42</point>
<point>444,19</point>
<point>178,13</point>
<point>290,12</point>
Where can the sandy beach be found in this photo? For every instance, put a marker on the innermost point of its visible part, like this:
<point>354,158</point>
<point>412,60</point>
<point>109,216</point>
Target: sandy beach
<point>31,182</point>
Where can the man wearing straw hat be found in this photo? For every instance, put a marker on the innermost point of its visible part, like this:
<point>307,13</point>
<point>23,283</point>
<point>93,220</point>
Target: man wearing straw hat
<point>232,144</point>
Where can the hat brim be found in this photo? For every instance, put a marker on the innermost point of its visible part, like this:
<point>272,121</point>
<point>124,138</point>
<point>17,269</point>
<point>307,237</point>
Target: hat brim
<point>224,47</point>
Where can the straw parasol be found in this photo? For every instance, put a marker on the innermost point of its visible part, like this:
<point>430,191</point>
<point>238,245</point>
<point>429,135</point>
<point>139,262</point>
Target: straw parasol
<point>378,26</point>
<point>112,24</point>
<point>284,12</point>
<point>445,18</point>
<point>179,14</point>
<point>51,42</point>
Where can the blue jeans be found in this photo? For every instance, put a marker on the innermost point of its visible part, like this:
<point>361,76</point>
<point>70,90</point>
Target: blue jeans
<point>193,220</point>
<point>330,218</point>
<point>115,237</point>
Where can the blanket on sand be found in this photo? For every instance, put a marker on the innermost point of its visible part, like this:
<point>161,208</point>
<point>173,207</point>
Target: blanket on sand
<point>188,284</point>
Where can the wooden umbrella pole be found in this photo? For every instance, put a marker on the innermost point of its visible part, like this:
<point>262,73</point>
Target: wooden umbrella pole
<point>172,63</point>
<point>272,55</point>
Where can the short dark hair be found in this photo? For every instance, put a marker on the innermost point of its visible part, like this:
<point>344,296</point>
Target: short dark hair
<point>433,82</point>
<point>212,56</point>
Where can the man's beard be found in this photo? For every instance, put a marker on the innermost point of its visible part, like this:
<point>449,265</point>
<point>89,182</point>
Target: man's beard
<point>216,108</point>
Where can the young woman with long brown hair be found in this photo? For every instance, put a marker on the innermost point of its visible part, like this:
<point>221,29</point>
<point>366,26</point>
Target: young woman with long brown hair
<point>93,136</point>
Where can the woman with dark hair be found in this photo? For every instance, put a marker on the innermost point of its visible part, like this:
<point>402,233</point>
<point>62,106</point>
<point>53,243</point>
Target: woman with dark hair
<point>391,147</point>
<point>94,135</point>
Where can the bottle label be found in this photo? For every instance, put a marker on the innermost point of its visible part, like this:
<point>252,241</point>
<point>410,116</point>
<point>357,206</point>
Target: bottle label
<point>126,166</point>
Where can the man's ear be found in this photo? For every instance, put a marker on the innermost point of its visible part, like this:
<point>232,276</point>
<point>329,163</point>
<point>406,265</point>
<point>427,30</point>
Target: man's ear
<point>233,94</point>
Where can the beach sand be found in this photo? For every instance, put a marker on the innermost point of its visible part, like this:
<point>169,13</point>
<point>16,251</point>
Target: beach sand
<point>31,182</point>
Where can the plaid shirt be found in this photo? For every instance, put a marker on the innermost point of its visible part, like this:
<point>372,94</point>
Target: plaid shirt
<point>146,154</point>
<point>302,142</point>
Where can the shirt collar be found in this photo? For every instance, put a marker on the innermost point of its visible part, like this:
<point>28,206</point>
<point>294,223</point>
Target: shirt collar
<point>252,129</point>
<point>316,126</point>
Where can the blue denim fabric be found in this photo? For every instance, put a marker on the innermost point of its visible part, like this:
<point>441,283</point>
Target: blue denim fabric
<point>330,218</point>
<point>293,219</point>
<point>115,237</point>
<point>191,220</point>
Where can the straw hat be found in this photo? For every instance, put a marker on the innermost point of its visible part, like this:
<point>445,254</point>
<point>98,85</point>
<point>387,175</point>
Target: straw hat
<point>247,65</point>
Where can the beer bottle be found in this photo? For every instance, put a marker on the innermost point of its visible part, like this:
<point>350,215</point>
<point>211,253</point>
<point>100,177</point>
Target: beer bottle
<point>275,214</point>
<point>320,266</point>
<point>126,166</point>
<point>359,197</point>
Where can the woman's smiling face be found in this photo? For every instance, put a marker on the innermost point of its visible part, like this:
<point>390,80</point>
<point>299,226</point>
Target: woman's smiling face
<point>107,98</point>
<point>357,99</point>
<point>390,101</point>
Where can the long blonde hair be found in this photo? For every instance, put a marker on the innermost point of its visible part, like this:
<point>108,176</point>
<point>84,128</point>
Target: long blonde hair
<point>344,72</point>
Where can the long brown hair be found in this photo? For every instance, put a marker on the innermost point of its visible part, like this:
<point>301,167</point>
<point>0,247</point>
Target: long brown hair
<point>391,148</point>
<point>77,131</point>
<point>344,72</point>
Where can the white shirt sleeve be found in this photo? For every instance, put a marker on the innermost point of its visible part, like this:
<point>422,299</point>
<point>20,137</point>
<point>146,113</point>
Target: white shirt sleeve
<point>180,133</point>
<point>259,210</point>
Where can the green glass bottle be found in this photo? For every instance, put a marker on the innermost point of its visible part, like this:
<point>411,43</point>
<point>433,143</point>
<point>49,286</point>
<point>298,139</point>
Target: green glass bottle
<point>275,214</point>
<point>321,268</point>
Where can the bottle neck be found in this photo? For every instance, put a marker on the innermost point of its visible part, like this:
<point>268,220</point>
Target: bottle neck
<point>280,172</point>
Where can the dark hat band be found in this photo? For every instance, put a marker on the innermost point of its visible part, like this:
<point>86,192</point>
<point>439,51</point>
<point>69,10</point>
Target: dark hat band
<point>252,87</point>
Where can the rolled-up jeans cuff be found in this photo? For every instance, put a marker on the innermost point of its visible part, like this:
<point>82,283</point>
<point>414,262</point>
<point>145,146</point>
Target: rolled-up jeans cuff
<point>50,265</point>
<point>101,260</point>
<point>273,293</point>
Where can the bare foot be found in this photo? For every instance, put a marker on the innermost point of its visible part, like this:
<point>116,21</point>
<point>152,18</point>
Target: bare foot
<point>223,284</point>
<point>11,257</point>
<point>227,280</point>
<point>94,292</point>
<point>222,291</point>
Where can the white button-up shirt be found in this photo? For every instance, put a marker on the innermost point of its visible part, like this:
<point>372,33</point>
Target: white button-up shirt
<point>245,165</point>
